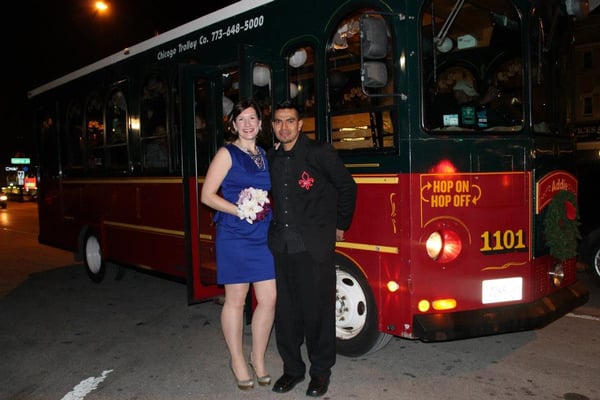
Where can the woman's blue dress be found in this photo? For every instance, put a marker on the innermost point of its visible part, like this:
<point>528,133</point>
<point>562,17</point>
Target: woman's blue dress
<point>241,248</point>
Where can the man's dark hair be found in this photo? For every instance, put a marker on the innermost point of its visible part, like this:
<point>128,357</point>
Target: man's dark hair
<point>287,104</point>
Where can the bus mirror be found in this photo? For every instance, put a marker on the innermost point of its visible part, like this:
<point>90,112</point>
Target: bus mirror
<point>374,38</point>
<point>374,74</point>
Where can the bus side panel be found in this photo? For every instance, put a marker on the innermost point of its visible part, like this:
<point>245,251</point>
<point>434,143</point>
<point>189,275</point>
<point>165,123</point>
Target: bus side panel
<point>376,244</point>
<point>134,217</point>
<point>495,282</point>
<point>54,228</point>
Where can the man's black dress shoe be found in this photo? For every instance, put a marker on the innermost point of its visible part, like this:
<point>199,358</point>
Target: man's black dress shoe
<point>286,383</point>
<point>318,386</point>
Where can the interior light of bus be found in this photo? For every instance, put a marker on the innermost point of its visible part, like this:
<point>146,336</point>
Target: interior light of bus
<point>293,90</point>
<point>392,286</point>
<point>134,123</point>
<point>298,58</point>
<point>424,305</point>
<point>578,8</point>
<point>357,128</point>
<point>261,75</point>
<point>443,246</point>
<point>444,304</point>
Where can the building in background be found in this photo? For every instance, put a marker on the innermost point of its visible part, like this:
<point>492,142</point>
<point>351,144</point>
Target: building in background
<point>587,77</point>
<point>586,123</point>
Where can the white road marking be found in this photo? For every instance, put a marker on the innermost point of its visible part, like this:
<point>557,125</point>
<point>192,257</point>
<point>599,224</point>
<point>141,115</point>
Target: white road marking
<point>584,316</point>
<point>86,386</point>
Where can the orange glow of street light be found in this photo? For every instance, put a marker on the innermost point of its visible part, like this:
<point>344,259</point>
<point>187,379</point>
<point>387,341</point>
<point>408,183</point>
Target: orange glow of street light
<point>101,6</point>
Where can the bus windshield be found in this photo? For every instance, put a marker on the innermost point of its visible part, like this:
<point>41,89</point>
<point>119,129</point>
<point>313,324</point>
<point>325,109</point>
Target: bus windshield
<point>472,66</point>
<point>473,56</point>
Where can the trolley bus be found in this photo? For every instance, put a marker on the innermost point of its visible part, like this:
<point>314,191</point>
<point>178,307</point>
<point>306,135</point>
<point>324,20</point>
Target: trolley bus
<point>466,221</point>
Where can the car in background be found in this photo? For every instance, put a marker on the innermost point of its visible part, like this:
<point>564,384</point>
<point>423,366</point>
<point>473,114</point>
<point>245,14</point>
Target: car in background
<point>3,200</point>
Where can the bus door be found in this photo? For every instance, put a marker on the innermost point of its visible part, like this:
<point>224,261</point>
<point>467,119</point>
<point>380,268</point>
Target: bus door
<point>202,116</point>
<point>49,178</point>
<point>262,77</point>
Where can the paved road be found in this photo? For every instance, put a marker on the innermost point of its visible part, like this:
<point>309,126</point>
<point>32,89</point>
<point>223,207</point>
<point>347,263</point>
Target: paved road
<point>64,337</point>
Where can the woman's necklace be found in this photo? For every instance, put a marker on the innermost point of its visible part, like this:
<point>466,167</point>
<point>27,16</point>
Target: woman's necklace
<point>257,158</point>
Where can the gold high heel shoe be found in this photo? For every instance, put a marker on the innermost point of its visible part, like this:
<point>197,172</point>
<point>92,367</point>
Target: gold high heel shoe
<point>262,380</point>
<point>242,384</point>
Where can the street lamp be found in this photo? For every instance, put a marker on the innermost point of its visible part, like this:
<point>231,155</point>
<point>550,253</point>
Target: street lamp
<point>101,6</point>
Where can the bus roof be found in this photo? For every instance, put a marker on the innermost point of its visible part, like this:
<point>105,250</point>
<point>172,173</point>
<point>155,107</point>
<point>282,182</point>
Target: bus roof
<point>199,23</point>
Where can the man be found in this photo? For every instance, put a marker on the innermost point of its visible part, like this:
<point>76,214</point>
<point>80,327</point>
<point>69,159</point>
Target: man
<point>314,197</point>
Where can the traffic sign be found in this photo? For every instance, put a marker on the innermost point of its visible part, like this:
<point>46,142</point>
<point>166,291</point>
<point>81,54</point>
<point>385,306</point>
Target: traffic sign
<point>20,160</point>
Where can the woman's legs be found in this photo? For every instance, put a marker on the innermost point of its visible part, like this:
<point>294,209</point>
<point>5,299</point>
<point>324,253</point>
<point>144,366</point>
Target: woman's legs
<point>232,320</point>
<point>262,322</point>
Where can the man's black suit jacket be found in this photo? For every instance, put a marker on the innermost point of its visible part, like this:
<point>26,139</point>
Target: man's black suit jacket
<point>323,195</point>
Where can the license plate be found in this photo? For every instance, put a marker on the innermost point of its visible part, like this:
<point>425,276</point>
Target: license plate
<point>499,290</point>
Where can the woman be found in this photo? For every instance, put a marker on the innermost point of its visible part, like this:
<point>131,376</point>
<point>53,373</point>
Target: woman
<point>239,169</point>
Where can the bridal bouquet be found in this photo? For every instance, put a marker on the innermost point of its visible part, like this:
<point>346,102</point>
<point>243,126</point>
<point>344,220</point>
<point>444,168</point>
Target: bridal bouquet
<point>253,205</point>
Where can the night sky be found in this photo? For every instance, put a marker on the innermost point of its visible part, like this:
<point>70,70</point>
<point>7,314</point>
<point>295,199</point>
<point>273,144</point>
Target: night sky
<point>54,38</point>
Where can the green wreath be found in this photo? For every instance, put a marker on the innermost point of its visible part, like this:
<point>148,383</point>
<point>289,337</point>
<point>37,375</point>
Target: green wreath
<point>561,225</point>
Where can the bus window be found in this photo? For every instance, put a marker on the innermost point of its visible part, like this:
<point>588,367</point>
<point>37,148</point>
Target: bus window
<point>156,150</point>
<point>361,104</point>
<point>203,140</point>
<point>153,124</point>
<point>262,94</point>
<point>231,89</point>
<point>116,131</point>
<point>471,61</point>
<point>116,118</point>
<point>49,145</point>
<point>153,107</point>
<point>94,118</point>
<point>508,78</point>
<point>550,41</point>
<point>74,137</point>
<point>344,67</point>
<point>301,82</point>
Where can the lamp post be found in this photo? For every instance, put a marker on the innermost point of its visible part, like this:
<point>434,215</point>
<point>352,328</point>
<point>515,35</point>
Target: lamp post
<point>101,6</point>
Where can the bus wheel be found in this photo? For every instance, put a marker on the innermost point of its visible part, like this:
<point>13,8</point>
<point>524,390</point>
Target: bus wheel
<point>92,257</point>
<point>595,264</point>
<point>355,312</point>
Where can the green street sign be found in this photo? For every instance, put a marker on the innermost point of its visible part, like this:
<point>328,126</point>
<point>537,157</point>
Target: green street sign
<point>20,160</point>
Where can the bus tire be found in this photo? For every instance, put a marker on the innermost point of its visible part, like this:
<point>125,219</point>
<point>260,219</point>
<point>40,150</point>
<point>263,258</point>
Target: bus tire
<point>595,262</point>
<point>356,327</point>
<point>589,253</point>
<point>92,258</point>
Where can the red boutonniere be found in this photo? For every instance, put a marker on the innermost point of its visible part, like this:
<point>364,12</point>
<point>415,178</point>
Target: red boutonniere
<point>307,181</point>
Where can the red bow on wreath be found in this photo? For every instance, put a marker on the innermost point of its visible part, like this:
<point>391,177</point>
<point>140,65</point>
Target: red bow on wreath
<point>561,225</point>
<point>570,211</point>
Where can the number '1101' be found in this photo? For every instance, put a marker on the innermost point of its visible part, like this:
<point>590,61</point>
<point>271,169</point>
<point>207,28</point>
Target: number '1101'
<point>503,241</point>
